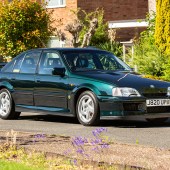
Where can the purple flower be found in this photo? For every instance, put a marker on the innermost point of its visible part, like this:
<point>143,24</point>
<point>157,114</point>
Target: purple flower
<point>104,145</point>
<point>79,141</point>
<point>98,131</point>
<point>67,152</point>
<point>96,141</point>
<point>75,161</point>
<point>96,149</point>
<point>39,136</point>
<point>80,151</point>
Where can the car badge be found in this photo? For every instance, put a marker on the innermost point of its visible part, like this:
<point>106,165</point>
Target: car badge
<point>152,86</point>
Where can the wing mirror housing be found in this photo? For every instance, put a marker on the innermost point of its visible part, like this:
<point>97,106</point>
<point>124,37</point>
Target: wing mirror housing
<point>59,71</point>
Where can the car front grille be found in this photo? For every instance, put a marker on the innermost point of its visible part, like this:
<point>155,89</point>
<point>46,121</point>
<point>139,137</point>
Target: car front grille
<point>155,95</point>
<point>158,109</point>
<point>134,106</point>
<point>130,107</point>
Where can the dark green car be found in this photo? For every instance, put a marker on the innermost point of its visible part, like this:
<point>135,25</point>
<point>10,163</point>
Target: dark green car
<point>89,84</point>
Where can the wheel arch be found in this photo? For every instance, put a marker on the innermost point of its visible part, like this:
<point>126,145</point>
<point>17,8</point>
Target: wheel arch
<point>78,91</point>
<point>6,85</point>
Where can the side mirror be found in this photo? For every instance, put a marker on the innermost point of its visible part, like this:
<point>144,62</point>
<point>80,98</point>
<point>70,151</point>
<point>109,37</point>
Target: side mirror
<point>59,71</point>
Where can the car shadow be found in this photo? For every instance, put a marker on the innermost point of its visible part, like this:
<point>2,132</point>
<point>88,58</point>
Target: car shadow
<point>103,123</point>
<point>133,124</point>
<point>48,118</point>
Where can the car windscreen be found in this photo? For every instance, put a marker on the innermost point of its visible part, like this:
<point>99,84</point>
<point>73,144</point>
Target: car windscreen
<point>94,60</point>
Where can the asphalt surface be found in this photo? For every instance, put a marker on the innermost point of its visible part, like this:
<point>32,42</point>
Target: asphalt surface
<point>133,132</point>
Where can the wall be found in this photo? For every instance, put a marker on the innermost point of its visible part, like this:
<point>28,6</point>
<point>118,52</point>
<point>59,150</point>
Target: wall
<point>116,10</point>
<point>152,5</point>
<point>63,16</point>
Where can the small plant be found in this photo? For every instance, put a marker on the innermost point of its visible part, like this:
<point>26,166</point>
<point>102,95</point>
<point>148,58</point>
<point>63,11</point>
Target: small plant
<point>11,138</point>
<point>86,148</point>
<point>39,137</point>
<point>137,141</point>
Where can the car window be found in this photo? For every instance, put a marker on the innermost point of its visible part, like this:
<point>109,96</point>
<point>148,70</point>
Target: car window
<point>79,61</point>
<point>8,67</point>
<point>29,64</point>
<point>49,61</point>
<point>18,63</point>
<point>109,63</point>
<point>93,60</point>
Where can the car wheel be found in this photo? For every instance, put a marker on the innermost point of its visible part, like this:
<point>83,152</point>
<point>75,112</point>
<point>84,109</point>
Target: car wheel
<point>7,109</point>
<point>88,109</point>
<point>157,120</point>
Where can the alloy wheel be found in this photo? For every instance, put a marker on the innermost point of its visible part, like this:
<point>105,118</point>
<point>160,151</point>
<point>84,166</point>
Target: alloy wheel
<point>4,103</point>
<point>86,108</point>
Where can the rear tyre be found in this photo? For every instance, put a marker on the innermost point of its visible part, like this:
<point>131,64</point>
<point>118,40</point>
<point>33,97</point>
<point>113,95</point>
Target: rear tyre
<point>7,108</point>
<point>157,120</point>
<point>87,109</point>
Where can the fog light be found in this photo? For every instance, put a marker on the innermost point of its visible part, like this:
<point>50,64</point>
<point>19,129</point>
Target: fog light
<point>168,91</point>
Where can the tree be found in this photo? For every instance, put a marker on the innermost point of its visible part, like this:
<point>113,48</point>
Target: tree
<point>74,29</point>
<point>162,32</point>
<point>23,25</point>
<point>88,28</point>
<point>90,33</point>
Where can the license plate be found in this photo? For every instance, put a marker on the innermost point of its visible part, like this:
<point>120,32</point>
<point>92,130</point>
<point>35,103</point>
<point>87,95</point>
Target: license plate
<point>157,102</point>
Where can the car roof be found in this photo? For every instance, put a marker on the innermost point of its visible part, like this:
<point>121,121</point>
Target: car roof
<point>69,49</point>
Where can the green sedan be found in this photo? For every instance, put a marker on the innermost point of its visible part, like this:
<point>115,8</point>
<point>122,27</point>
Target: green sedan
<point>88,84</point>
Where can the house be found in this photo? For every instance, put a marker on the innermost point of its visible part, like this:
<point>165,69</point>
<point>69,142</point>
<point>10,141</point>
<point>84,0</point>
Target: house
<point>127,17</point>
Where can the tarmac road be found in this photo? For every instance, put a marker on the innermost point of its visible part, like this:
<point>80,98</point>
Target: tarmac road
<point>118,130</point>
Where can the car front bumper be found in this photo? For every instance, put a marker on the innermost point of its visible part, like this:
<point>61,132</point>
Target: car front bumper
<point>132,107</point>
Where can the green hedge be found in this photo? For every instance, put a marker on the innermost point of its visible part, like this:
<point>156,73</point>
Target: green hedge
<point>162,31</point>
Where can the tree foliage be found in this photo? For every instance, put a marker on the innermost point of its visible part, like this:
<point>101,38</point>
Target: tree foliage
<point>88,28</point>
<point>147,57</point>
<point>162,32</point>
<point>100,35</point>
<point>113,47</point>
<point>23,25</point>
<point>151,60</point>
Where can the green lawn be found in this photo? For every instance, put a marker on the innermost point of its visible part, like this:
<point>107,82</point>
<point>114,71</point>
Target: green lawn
<point>5,165</point>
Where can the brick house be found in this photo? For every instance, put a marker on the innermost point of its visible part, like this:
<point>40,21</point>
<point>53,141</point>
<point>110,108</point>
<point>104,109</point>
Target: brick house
<point>128,17</point>
<point>124,15</point>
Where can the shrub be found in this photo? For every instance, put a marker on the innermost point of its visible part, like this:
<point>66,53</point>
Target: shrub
<point>23,25</point>
<point>162,32</point>
<point>147,56</point>
<point>114,47</point>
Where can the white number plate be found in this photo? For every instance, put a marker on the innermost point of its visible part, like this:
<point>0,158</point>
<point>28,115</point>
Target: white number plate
<point>157,102</point>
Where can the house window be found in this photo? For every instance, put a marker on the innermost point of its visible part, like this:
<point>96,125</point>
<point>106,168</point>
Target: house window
<point>56,3</point>
<point>55,42</point>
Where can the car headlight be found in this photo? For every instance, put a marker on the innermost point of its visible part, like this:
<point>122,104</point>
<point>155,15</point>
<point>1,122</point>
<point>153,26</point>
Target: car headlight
<point>168,91</point>
<point>125,92</point>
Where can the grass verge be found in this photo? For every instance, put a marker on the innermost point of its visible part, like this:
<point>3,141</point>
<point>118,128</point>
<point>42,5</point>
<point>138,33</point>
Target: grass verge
<point>8,165</point>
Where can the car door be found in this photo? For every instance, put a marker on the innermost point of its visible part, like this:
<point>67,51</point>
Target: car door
<point>23,78</point>
<point>50,90</point>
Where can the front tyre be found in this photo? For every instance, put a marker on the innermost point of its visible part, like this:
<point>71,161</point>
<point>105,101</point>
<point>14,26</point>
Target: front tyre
<point>87,109</point>
<point>7,109</point>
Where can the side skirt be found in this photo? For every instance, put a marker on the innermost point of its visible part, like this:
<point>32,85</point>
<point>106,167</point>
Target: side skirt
<point>45,110</point>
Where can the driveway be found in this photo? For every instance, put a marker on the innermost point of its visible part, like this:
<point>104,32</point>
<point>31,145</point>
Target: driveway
<point>123,131</point>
